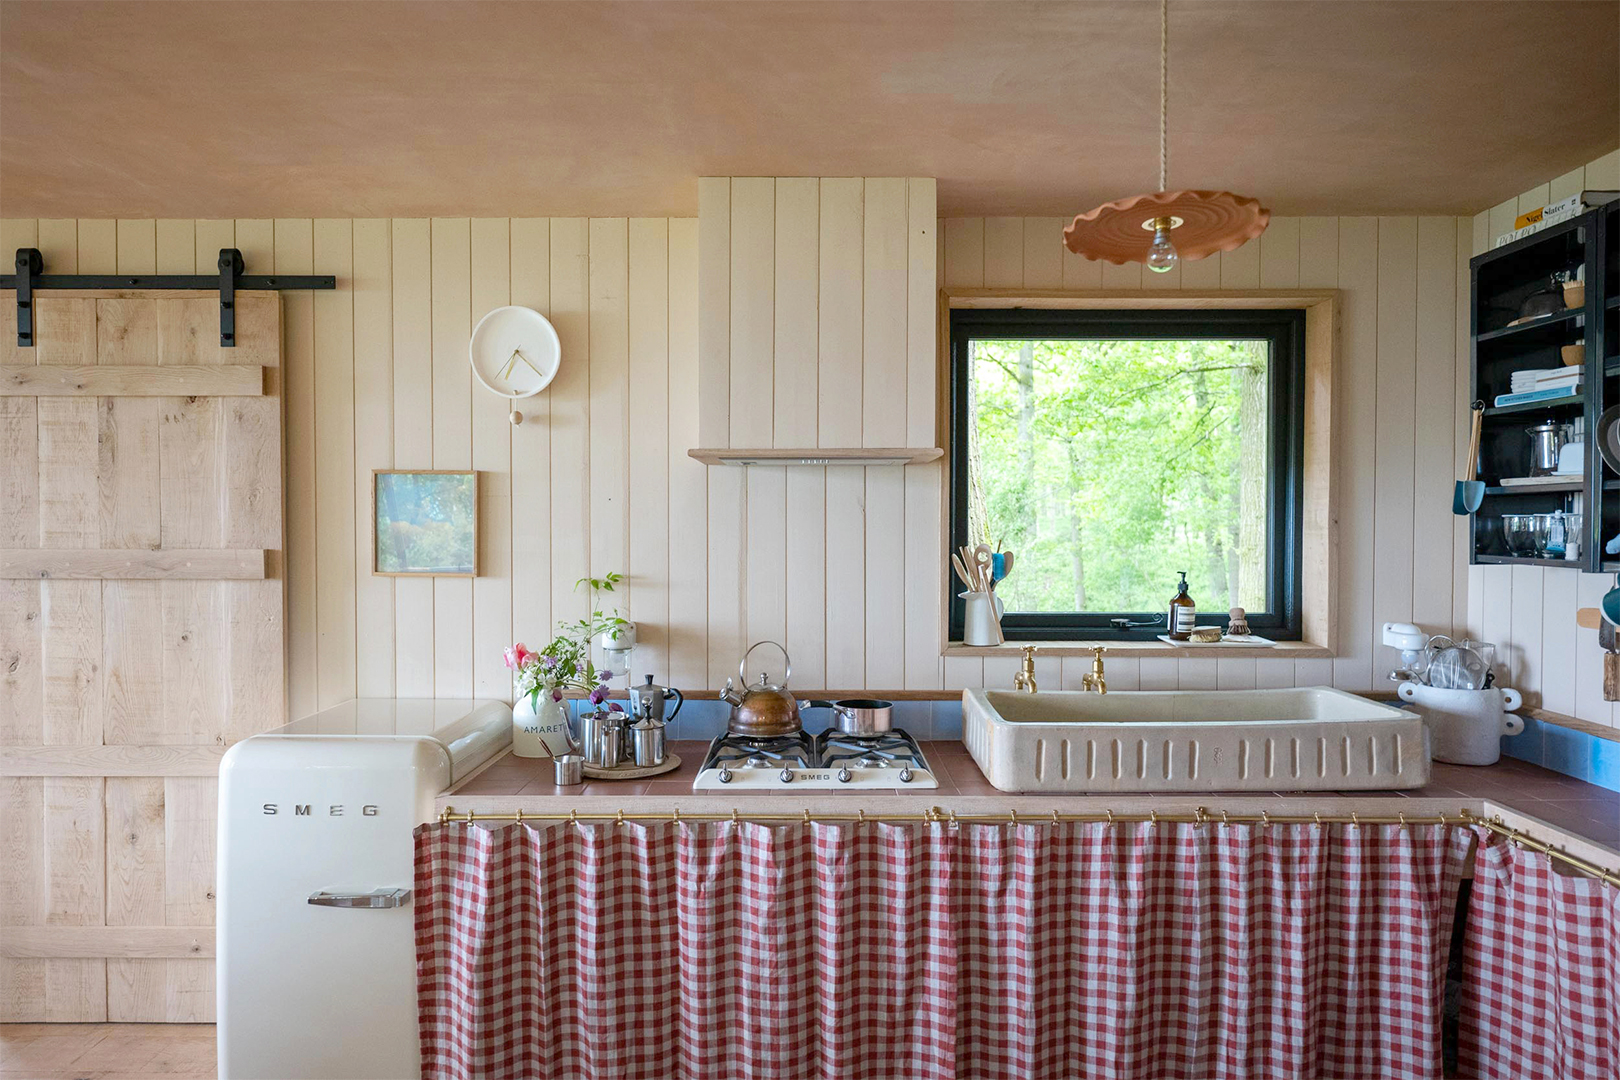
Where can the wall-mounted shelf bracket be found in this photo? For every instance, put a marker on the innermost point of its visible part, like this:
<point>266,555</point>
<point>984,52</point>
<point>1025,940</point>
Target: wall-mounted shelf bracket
<point>29,265</point>
<point>30,279</point>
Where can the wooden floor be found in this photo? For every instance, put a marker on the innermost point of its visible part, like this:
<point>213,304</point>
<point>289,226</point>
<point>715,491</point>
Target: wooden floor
<point>105,1051</point>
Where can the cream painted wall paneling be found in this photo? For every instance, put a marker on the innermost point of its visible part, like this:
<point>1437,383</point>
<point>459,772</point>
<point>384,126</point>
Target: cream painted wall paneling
<point>1386,277</point>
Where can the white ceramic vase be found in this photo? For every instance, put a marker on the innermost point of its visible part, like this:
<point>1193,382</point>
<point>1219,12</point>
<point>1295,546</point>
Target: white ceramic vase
<point>1465,726</point>
<point>542,732</point>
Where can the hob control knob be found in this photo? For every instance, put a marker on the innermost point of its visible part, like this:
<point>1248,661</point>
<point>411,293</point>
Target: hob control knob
<point>786,775</point>
<point>843,776</point>
<point>905,775</point>
<point>725,775</point>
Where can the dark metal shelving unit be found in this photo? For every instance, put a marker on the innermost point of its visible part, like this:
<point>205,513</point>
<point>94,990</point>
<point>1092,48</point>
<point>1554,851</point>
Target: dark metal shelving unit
<point>1500,279</point>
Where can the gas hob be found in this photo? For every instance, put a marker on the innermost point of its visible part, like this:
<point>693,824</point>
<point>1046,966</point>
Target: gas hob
<point>829,761</point>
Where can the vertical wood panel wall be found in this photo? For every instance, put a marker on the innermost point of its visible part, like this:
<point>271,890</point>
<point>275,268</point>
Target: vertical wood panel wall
<point>597,478</point>
<point>1529,611</point>
<point>816,329</point>
<point>1395,402</point>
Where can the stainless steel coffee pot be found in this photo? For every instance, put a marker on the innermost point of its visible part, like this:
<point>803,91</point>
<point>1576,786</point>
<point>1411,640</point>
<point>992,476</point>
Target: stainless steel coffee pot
<point>648,701</point>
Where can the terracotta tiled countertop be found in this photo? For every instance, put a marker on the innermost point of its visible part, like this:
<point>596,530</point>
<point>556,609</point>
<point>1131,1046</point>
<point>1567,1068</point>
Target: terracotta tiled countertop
<point>1527,796</point>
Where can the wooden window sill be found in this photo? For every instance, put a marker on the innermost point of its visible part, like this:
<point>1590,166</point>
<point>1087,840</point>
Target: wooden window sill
<point>1283,650</point>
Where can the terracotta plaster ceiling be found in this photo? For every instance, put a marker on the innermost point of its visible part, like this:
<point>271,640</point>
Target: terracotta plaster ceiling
<point>380,108</point>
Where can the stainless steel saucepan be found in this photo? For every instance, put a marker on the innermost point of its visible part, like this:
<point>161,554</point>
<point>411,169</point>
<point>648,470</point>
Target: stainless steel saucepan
<point>857,716</point>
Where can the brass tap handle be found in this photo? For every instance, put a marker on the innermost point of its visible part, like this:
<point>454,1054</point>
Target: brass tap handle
<point>1094,679</point>
<point>1025,679</point>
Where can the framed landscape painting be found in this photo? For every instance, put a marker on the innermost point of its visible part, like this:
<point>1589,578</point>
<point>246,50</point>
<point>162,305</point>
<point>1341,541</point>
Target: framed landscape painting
<point>425,523</point>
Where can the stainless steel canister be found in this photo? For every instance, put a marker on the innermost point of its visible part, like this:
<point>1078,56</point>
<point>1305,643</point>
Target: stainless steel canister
<point>649,742</point>
<point>602,734</point>
<point>568,770</point>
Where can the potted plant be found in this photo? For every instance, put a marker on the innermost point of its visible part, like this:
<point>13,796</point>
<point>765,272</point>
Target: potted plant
<point>544,678</point>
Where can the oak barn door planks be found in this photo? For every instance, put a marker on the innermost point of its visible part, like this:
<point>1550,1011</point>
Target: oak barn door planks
<point>123,667</point>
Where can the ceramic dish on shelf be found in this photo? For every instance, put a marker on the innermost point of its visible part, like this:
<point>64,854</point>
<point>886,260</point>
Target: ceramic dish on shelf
<point>1608,432</point>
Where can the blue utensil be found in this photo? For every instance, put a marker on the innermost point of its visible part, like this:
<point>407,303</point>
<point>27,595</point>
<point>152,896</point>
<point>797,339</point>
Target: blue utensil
<point>998,566</point>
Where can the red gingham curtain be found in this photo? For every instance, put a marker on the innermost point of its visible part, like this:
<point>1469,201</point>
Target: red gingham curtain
<point>1114,951</point>
<point>1541,970</point>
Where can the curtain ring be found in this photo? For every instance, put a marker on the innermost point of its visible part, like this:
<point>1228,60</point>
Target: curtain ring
<point>1153,819</point>
<point>953,819</point>
<point>620,819</point>
<point>1224,822</point>
<point>1402,818</point>
<point>675,816</point>
<point>444,816</point>
<point>1265,819</point>
<point>1355,820</point>
<point>1198,816</point>
<point>1012,818</point>
<point>573,817</point>
<point>1054,818</point>
<point>807,816</point>
<point>469,817</point>
<point>519,815</point>
<point>1317,814</point>
<point>1110,814</point>
<point>734,815</point>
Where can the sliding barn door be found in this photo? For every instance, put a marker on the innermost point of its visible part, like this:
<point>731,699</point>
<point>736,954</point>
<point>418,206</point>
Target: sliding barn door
<point>141,633</point>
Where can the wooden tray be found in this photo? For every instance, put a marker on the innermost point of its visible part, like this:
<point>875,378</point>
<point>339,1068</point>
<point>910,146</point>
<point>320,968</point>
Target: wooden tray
<point>633,772</point>
<point>1253,641</point>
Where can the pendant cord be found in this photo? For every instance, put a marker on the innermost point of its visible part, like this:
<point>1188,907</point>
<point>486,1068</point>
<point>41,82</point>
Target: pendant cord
<point>1164,92</point>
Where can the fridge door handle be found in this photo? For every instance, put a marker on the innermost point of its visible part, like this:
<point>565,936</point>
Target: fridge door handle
<point>376,898</point>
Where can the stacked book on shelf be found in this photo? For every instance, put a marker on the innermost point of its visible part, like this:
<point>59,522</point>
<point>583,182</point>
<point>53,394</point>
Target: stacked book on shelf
<point>1542,217</point>
<point>1541,384</point>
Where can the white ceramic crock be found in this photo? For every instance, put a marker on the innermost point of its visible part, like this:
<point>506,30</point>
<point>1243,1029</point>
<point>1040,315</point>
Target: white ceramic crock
<point>981,623</point>
<point>1465,726</point>
<point>543,733</point>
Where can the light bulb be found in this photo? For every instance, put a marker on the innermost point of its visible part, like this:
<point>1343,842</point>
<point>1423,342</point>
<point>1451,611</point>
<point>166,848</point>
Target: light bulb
<point>1162,256</point>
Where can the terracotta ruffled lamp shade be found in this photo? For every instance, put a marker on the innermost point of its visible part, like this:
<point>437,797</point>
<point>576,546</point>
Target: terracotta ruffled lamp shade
<point>1164,228</point>
<point>1204,222</point>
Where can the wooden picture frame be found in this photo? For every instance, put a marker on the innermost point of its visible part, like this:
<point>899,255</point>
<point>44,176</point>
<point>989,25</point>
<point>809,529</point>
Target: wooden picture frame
<point>397,559</point>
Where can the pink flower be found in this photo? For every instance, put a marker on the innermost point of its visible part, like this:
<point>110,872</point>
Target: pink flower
<point>518,656</point>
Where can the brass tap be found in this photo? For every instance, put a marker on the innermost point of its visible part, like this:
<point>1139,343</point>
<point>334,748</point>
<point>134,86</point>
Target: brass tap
<point>1025,679</point>
<point>1093,679</point>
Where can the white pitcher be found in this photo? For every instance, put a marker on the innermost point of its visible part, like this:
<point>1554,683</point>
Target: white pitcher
<point>1465,726</point>
<point>981,618</point>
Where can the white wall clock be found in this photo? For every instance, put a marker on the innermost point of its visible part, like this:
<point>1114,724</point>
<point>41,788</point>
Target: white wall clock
<point>515,353</point>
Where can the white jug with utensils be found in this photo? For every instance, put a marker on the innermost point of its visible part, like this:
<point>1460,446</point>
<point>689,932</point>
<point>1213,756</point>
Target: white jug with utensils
<point>1465,726</point>
<point>981,618</point>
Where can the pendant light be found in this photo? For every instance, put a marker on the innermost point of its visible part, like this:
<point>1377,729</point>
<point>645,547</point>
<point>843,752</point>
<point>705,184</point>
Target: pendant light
<point>1166,227</point>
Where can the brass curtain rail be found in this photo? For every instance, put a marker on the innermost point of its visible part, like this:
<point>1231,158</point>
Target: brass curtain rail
<point>938,815</point>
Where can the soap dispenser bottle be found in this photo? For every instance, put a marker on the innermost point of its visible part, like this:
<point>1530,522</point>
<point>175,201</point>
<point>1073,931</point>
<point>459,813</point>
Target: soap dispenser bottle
<point>1183,612</point>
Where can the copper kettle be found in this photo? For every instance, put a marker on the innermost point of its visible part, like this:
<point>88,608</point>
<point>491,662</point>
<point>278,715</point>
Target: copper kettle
<point>762,710</point>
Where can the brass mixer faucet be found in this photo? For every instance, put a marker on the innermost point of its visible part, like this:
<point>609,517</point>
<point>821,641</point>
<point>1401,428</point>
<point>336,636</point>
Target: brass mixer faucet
<point>1093,679</point>
<point>1025,679</point>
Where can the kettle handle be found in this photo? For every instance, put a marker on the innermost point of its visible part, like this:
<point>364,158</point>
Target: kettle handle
<point>680,699</point>
<point>742,665</point>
